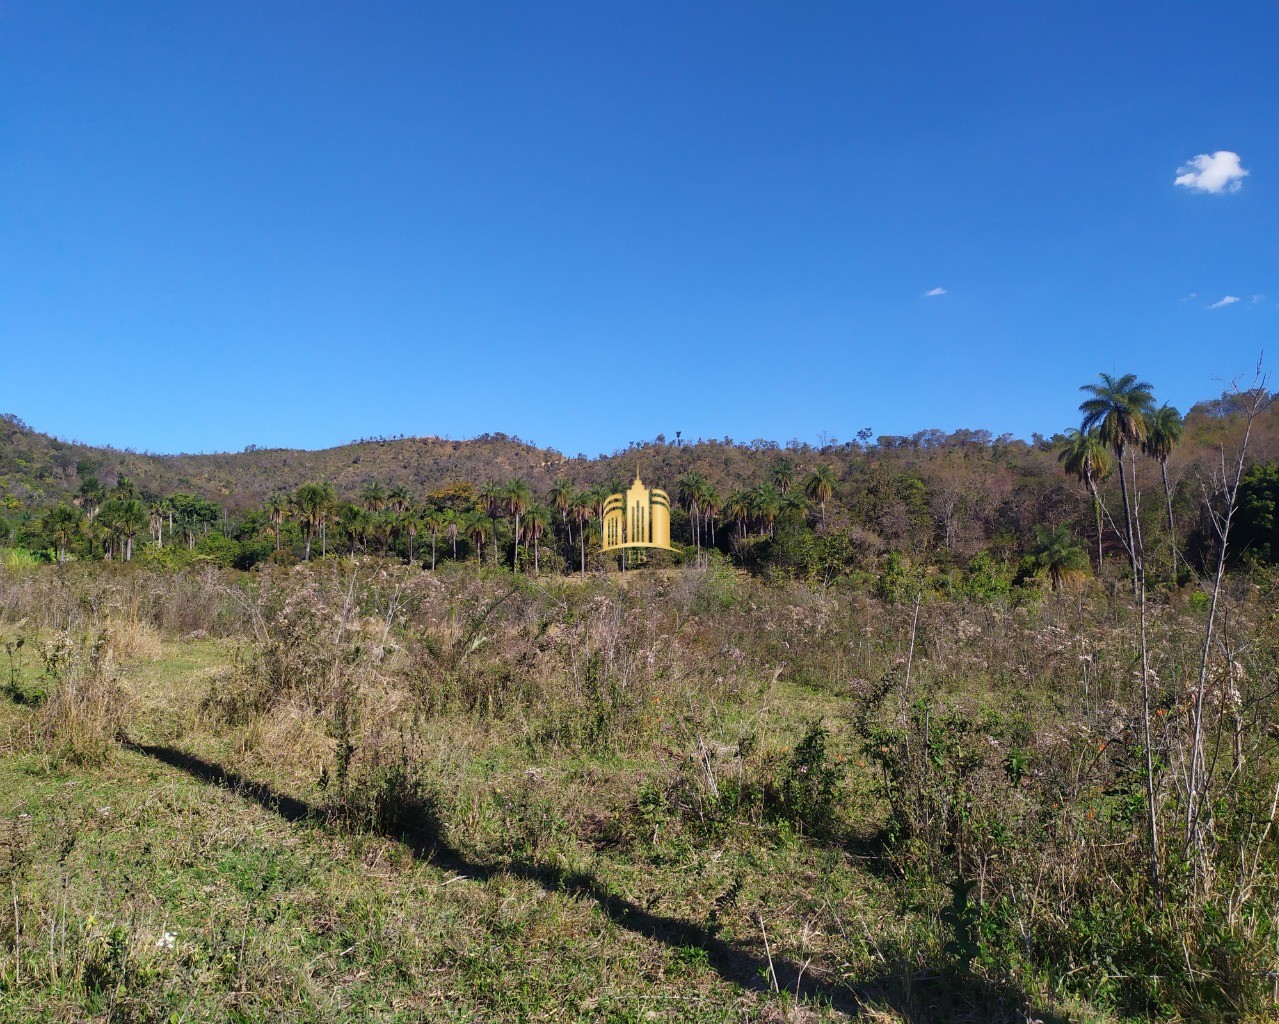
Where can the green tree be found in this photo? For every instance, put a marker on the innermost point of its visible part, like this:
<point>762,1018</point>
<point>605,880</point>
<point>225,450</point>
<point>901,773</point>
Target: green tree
<point>131,519</point>
<point>492,500</point>
<point>90,496</point>
<point>820,485</point>
<point>692,489</point>
<point>478,528</point>
<point>1164,428</point>
<point>737,507</point>
<point>1118,410</point>
<point>1057,551</point>
<point>399,499</point>
<point>63,524</point>
<point>433,521</point>
<point>278,509</point>
<point>783,474</point>
<point>453,522</point>
<point>352,524</point>
<point>582,509</point>
<point>314,503</point>
<point>1085,457</point>
<point>766,506</point>
<point>536,520</point>
<point>1257,533</point>
<point>373,496</point>
<point>155,514</point>
<point>517,497</point>
<point>711,503</point>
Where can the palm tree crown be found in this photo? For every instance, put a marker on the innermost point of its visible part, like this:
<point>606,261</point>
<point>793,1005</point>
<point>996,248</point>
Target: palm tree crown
<point>1164,428</point>
<point>1085,456</point>
<point>1118,409</point>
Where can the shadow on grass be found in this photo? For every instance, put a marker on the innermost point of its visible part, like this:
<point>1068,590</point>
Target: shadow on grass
<point>914,997</point>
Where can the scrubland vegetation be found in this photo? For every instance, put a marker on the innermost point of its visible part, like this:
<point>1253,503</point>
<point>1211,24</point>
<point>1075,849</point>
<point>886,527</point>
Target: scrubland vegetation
<point>804,771</point>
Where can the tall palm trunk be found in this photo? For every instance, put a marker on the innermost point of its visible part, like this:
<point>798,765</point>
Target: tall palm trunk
<point>1096,508</point>
<point>1172,529</point>
<point>581,536</point>
<point>1128,526</point>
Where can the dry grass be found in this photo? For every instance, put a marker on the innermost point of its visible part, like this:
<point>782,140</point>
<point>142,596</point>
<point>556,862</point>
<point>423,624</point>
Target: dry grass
<point>400,795</point>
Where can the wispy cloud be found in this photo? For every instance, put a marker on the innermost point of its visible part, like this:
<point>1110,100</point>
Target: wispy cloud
<point>1220,172</point>
<point>934,292</point>
<point>1192,295</point>
<point>1228,300</point>
<point>1258,299</point>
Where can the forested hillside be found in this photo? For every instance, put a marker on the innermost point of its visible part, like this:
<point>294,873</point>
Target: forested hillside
<point>948,497</point>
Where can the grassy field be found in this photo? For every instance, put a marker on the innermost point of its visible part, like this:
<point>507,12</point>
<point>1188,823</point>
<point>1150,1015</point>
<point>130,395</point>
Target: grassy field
<point>485,801</point>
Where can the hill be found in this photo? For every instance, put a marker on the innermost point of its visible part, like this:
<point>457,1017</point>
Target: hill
<point>955,493</point>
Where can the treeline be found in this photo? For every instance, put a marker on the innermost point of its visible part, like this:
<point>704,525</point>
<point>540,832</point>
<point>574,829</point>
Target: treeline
<point>980,512</point>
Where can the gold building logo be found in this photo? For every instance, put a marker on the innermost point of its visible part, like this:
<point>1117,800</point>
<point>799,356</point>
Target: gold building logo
<point>640,518</point>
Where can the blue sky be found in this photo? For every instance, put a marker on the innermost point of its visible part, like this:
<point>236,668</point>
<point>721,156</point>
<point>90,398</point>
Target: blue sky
<point>293,224</point>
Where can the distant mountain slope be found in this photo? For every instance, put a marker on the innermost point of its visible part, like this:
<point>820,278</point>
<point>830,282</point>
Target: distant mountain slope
<point>37,469</point>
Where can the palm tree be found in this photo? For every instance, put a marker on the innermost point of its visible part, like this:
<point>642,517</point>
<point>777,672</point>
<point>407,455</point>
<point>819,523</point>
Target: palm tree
<point>492,499</point>
<point>313,502</point>
<point>1084,456</point>
<point>599,494</point>
<point>581,509</point>
<point>478,528</point>
<point>130,519</point>
<point>126,490</point>
<point>411,524</point>
<point>1058,552</point>
<point>691,488</point>
<point>738,509</point>
<point>820,485</point>
<point>453,522</point>
<point>1118,409</point>
<point>399,498</point>
<point>795,502</point>
<point>352,522</point>
<point>373,496</point>
<point>107,521</point>
<point>433,522</point>
<point>766,504</point>
<point>63,523</point>
<point>277,510</point>
<point>91,496</point>
<point>710,508</point>
<point>561,497</point>
<point>517,497</point>
<point>155,514</point>
<point>536,520</point>
<point>784,474</point>
<point>1163,432</point>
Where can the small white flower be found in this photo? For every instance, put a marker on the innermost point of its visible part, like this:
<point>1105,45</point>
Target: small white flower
<point>166,940</point>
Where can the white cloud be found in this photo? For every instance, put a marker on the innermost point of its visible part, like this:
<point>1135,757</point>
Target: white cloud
<point>1220,172</point>
<point>1258,298</point>
<point>1228,300</point>
<point>934,292</point>
<point>1192,295</point>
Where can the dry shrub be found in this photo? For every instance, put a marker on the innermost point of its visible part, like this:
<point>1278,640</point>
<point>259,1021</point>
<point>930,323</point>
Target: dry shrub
<point>86,709</point>
<point>132,640</point>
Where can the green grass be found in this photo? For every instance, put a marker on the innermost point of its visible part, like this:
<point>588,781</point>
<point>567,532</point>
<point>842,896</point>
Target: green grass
<point>278,918</point>
<point>637,819</point>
